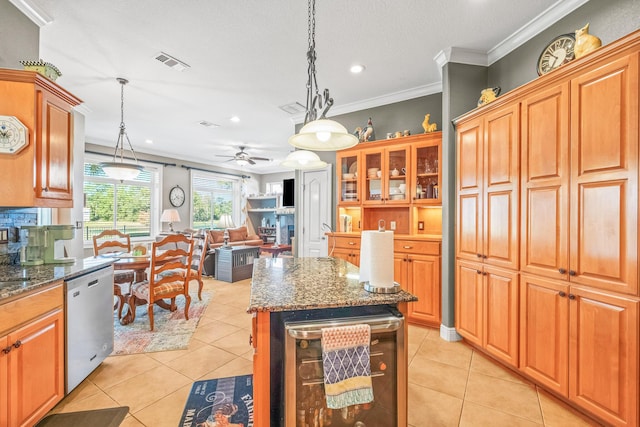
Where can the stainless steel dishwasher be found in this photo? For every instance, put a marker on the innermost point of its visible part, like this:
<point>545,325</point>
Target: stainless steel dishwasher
<point>89,324</point>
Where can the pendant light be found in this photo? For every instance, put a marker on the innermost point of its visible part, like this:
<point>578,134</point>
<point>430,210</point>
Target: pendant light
<point>319,133</point>
<point>117,168</point>
<point>303,160</point>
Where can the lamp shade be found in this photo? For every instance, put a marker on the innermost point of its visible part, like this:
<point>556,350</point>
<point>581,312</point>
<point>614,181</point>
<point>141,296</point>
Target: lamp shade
<point>226,221</point>
<point>170,215</point>
<point>303,160</point>
<point>323,135</point>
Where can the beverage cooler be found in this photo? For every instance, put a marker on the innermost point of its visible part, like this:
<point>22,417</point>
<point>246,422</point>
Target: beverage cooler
<point>303,373</point>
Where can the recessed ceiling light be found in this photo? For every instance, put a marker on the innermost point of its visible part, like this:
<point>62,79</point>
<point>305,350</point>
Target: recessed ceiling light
<point>357,69</point>
<point>235,119</point>
<point>148,141</point>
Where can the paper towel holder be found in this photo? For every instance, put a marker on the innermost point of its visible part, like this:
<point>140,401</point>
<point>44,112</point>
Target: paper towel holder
<point>381,289</point>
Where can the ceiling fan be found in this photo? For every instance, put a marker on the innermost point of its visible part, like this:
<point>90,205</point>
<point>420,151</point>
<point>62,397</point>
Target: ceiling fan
<point>243,158</point>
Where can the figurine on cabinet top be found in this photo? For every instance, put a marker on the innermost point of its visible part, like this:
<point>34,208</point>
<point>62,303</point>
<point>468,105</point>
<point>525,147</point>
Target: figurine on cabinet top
<point>366,134</point>
<point>428,127</point>
<point>488,95</point>
<point>585,42</point>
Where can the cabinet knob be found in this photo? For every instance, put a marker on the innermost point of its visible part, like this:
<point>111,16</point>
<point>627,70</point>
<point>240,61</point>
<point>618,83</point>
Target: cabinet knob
<point>45,189</point>
<point>484,273</point>
<point>484,256</point>
<point>407,247</point>
<point>17,344</point>
<point>6,350</point>
<point>479,255</point>
<point>572,273</point>
<point>562,270</point>
<point>479,271</point>
<point>572,296</point>
<point>562,294</point>
<point>409,260</point>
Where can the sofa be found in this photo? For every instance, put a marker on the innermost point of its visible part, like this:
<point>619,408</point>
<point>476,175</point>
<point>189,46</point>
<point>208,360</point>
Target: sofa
<point>237,237</point>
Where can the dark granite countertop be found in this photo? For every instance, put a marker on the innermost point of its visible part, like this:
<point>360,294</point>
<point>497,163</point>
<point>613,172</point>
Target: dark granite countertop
<point>18,279</point>
<point>284,284</point>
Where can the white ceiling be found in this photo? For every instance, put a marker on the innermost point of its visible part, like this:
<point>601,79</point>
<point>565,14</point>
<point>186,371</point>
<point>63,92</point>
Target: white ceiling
<point>248,57</point>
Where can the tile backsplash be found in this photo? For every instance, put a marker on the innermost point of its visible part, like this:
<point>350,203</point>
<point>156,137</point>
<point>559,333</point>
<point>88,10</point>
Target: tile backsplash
<point>12,219</point>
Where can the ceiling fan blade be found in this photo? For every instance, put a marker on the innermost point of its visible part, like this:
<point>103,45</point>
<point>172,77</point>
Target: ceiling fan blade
<point>260,158</point>
<point>251,162</point>
<point>223,155</point>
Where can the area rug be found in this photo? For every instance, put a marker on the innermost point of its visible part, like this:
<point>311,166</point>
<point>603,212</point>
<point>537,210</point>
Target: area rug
<point>109,417</point>
<point>220,402</point>
<point>171,330</point>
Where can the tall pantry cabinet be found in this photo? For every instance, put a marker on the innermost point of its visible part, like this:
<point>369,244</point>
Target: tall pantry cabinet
<point>576,267</point>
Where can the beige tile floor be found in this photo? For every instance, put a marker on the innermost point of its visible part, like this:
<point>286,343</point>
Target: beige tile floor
<point>449,383</point>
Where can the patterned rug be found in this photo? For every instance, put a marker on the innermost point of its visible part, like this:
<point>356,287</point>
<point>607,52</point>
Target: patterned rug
<point>171,330</point>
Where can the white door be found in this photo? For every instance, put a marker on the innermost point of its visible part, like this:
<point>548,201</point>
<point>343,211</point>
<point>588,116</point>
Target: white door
<point>316,210</point>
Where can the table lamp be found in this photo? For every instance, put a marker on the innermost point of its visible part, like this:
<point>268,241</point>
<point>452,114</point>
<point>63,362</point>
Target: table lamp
<point>226,222</point>
<point>170,216</point>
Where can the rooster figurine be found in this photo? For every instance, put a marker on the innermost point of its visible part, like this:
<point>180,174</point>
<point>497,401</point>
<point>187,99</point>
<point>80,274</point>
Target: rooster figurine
<point>367,134</point>
<point>585,42</point>
<point>428,127</point>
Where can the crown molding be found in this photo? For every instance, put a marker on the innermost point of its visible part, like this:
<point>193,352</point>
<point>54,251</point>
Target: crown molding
<point>544,20</point>
<point>378,101</point>
<point>33,12</point>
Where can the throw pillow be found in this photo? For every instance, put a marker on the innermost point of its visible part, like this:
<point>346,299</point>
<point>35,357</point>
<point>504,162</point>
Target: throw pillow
<point>237,234</point>
<point>216,236</point>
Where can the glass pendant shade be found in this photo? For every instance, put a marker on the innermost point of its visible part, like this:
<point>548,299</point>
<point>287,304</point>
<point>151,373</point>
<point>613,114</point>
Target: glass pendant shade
<point>303,160</point>
<point>242,162</point>
<point>120,170</point>
<point>323,135</point>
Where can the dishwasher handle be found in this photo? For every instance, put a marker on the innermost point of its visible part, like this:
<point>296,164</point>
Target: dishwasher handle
<point>314,332</point>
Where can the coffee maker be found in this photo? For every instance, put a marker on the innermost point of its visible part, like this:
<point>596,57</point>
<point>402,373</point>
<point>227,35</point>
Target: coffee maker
<point>53,233</point>
<point>32,253</point>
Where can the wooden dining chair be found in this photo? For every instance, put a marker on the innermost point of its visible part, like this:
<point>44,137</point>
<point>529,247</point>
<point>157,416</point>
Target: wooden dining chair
<point>169,276</point>
<point>111,241</point>
<point>197,261</point>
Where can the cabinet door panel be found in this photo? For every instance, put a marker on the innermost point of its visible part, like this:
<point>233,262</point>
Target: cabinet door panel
<point>469,291</point>
<point>545,183</point>
<point>425,284</point>
<point>604,355</point>
<point>469,187</point>
<point>4,373</point>
<point>501,187</point>
<point>604,179</point>
<point>400,271</point>
<point>501,314</point>
<point>544,331</point>
<point>38,373</point>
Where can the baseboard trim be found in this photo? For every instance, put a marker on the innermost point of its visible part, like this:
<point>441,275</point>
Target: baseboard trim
<point>449,334</point>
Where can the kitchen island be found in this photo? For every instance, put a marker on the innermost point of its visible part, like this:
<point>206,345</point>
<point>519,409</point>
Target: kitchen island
<point>294,289</point>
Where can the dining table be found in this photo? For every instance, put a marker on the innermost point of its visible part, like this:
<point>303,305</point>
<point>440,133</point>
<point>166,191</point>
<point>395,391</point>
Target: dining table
<point>139,265</point>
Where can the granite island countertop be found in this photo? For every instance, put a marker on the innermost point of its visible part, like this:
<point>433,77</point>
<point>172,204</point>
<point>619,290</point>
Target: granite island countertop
<point>18,279</point>
<point>284,284</point>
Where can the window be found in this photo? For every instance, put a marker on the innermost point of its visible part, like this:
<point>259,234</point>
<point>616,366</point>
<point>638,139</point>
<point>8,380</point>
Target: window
<point>214,195</point>
<point>128,206</point>
<point>274,187</point>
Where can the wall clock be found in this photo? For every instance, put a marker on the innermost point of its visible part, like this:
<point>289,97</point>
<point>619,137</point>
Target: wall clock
<point>176,196</point>
<point>559,51</point>
<point>14,136</point>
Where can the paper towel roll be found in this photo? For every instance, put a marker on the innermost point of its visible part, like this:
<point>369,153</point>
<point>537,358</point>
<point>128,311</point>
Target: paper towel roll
<point>376,258</point>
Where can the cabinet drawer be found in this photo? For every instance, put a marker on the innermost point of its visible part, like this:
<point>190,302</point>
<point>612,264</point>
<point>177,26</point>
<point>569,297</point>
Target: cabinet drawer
<point>347,242</point>
<point>416,247</point>
<point>17,312</point>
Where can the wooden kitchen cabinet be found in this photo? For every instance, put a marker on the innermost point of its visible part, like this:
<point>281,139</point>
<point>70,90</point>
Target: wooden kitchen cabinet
<point>417,269</point>
<point>487,308</point>
<point>392,186</point>
<point>346,248</point>
<point>349,178</point>
<point>488,186</point>
<point>42,173</point>
<point>32,357</point>
<point>426,160</point>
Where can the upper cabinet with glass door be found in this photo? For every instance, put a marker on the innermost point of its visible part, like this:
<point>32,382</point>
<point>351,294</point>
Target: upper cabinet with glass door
<point>426,159</point>
<point>386,180</point>
<point>348,178</point>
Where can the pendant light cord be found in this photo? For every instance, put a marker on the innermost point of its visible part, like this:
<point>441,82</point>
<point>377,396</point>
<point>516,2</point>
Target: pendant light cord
<point>315,100</point>
<point>123,132</point>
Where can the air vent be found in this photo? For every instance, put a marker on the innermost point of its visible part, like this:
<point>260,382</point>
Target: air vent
<point>208,124</point>
<point>293,108</point>
<point>171,62</point>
